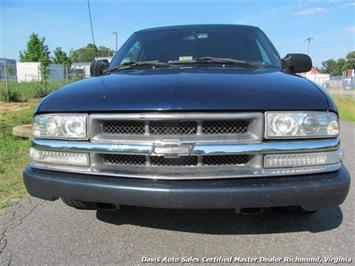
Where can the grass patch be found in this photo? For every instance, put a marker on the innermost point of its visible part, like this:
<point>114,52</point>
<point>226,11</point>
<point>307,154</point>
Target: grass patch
<point>13,151</point>
<point>24,91</point>
<point>346,107</point>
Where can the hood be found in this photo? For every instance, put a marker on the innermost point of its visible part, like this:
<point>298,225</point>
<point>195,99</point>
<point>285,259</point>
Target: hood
<point>192,89</point>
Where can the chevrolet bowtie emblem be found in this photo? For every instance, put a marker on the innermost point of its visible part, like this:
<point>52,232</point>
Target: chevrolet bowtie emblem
<point>172,148</point>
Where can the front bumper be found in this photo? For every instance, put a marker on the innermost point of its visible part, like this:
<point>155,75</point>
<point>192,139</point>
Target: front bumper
<point>312,192</point>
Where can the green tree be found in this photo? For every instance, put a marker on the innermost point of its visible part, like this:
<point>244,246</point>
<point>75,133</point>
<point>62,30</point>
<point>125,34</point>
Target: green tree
<point>36,50</point>
<point>61,57</point>
<point>89,52</point>
<point>337,68</point>
<point>334,68</point>
<point>104,51</point>
<point>328,66</point>
<point>340,67</point>
<point>350,60</point>
<point>84,54</point>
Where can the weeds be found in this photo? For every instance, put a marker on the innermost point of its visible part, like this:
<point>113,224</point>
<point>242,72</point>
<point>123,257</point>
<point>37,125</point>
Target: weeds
<point>25,91</point>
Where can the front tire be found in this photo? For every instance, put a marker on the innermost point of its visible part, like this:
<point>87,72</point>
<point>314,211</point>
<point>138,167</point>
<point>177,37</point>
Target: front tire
<point>81,205</point>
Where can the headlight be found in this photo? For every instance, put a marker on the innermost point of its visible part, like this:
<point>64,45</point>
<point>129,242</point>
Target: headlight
<point>301,125</point>
<point>60,126</point>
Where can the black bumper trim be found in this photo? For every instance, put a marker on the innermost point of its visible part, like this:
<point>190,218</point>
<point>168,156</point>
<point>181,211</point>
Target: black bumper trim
<point>309,191</point>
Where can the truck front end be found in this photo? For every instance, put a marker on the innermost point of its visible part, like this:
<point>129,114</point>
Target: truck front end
<point>191,117</point>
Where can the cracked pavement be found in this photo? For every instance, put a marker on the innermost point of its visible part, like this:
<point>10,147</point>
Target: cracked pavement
<point>36,232</point>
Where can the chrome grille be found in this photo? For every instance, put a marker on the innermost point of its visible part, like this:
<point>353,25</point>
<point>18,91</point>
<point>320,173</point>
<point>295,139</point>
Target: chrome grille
<point>194,126</point>
<point>171,145</point>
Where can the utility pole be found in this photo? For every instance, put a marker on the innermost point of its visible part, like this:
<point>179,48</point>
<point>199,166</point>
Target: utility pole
<point>308,40</point>
<point>6,85</point>
<point>116,36</point>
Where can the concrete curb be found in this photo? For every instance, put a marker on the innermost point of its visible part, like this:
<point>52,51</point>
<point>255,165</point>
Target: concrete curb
<point>23,131</point>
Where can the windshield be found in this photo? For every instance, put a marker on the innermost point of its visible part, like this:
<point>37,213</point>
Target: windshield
<point>186,44</point>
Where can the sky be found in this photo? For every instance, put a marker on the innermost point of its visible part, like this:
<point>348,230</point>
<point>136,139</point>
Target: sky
<point>66,24</point>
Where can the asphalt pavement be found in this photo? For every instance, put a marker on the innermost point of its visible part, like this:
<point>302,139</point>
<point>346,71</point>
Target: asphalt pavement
<point>36,232</point>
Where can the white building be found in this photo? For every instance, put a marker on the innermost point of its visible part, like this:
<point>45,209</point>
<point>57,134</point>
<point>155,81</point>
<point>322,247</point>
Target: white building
<point>30,71</point>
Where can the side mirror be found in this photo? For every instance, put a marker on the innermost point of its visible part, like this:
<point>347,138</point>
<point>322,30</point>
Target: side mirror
<point>97,67</point>
<point>297,63</point>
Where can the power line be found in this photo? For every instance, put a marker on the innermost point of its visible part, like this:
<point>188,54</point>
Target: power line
<point>92,29</point>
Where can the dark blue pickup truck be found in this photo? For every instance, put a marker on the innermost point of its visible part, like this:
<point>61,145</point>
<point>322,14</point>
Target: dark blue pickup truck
<point>199,116</point>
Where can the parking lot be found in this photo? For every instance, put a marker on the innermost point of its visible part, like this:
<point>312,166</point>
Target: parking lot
<point>39,232</point>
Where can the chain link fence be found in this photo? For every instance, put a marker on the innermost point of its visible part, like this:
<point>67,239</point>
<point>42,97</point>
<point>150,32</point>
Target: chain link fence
<point>341,85</point>
<point>7,74</point>
<point>20,83</point>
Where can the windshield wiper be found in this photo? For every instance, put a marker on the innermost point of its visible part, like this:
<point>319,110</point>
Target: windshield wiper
<point>135,64</point>
<point>223,61</point>
<point>174,63</point>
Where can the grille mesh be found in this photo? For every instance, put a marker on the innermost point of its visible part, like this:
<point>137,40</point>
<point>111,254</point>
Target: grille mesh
<point>223,127</point>
<point>118,159</point>
<point>218,160</point>
<point>123,128</point>
<point>173,127</point>
<point>181,161</point>
<point>170,127</point>
<point>184,161</point>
